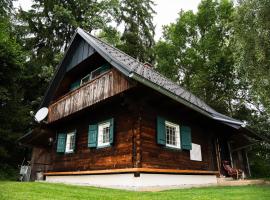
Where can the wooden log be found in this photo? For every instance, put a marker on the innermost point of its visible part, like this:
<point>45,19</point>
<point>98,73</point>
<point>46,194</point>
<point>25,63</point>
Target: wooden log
<point>132,170</point>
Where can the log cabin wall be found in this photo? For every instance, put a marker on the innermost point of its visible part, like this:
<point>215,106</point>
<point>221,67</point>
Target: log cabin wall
<point>41,161</point>
<point>135,112</point>
<point>118,155</point>
<point>154,155</point>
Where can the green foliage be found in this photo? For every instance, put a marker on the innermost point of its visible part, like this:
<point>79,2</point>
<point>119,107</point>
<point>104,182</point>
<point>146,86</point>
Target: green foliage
<point>5,7</point>
<point>14,117</point>
<point>8,172</point>
<point>111,35</point>
<point>18,191</point>
<point>138,36</point>
<point>47,28</point>
<point>197,53</point>
<point>252,36</point>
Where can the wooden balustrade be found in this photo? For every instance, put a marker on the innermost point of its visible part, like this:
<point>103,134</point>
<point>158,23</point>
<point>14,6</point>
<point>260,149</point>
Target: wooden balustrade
<point>96,90</point>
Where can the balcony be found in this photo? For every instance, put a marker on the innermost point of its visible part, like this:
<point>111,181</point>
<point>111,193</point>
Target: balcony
<point>96,90</point>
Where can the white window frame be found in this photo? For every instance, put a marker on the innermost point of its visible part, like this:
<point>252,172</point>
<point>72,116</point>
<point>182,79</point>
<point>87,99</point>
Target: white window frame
<point>68,142</point>
<point>101,127</point>
<point>177,135</point>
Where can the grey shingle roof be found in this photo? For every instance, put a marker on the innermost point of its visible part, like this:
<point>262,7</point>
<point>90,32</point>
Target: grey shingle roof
<point>130,66</point>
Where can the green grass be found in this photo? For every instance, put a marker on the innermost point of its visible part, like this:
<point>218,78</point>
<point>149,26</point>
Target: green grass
<point>15,190</point>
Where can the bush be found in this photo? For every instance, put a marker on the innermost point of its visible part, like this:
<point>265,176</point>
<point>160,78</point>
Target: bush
<point>8,172</point>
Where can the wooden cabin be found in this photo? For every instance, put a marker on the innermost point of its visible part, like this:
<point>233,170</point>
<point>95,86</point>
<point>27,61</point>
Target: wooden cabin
<point>115,122</point>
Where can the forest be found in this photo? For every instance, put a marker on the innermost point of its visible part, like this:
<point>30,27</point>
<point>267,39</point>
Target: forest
<point>221,53</point>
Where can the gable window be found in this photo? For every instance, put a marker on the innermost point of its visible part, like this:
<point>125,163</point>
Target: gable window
<point>100,70</point>
<point>66,142</point>
<point>85,79</point>
<point>101,134</point>
<point>172,135</point>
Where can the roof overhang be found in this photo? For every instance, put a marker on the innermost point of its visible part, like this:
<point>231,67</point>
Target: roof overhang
<point>162,90</point>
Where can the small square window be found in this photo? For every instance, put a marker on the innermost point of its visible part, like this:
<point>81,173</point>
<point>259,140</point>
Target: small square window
<point>172,135</point>
<point>104,134</point>
<point>70,142</point>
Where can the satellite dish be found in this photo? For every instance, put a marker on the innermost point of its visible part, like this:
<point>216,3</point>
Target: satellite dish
<point>41,114</point>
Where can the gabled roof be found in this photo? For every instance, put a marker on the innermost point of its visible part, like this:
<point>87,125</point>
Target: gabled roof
<point>145,75</point>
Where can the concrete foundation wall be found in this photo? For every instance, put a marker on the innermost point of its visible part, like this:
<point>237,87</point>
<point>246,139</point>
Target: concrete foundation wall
<point>128,181</point>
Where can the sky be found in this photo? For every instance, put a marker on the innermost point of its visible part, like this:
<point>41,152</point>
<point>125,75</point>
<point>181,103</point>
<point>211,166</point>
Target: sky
<point>167,11</point>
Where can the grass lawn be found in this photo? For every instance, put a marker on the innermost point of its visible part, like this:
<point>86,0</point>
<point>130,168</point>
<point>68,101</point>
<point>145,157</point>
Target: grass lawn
<point>37,191</point>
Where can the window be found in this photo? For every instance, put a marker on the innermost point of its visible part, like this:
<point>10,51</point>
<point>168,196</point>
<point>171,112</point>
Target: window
<point>85,79</point>
<point>103,134</point>
<point>172,135</point>
<point>70,142</point>
<point>99,71</point>
<point>66,142</point>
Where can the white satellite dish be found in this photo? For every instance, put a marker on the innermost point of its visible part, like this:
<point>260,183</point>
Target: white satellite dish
<point>41,114</point>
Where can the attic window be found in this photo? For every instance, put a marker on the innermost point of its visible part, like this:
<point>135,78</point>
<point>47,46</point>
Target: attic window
<point>104,68</point>
<point>85,79</point>
<point>99,71</point>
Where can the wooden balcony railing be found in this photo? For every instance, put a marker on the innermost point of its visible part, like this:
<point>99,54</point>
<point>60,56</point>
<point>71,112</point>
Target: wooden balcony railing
<point>98,89</point>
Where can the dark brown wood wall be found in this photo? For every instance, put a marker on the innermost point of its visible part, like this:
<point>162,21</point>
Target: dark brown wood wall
<point>154,155</point>
<point>135,112</point>
<point>158,156</point>
<point>119,155</point>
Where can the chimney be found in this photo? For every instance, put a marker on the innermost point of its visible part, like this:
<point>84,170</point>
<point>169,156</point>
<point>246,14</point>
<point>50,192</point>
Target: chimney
<point>147,64</point>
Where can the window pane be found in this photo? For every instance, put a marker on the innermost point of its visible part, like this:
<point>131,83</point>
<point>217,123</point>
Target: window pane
<point>104,134</point>
<point>172,135</point>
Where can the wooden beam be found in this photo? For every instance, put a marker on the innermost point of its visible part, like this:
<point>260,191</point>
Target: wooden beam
<point>132,170</point>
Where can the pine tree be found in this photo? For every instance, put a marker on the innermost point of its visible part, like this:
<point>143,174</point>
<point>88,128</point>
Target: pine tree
<point>49,25</point>
<point>138,36</point>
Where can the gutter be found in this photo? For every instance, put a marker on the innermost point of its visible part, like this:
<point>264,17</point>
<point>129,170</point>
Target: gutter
<point>161,90</point>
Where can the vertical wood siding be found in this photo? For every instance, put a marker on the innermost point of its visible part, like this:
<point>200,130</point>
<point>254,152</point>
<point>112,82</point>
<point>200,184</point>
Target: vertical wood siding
<point>104,86</point>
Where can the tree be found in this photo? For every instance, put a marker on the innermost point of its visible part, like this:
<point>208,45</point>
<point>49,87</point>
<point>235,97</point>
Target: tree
<point>14,115</point>
<point>5,8</point>
<point>50,24</point>
<point>138,35</point>
<point>252,33</point>
<point>198,51</point>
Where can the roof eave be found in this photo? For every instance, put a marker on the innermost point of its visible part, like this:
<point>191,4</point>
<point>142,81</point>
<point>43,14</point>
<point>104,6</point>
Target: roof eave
<point>160,89</point>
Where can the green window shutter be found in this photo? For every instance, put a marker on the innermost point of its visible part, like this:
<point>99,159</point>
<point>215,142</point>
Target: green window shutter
<point>75,136</point>
<point>61,142</point>
<point>185,136</point>
<point>92,135</point>
<point>75,85</point>
<point>161,135</point>
<point>111,130</point>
